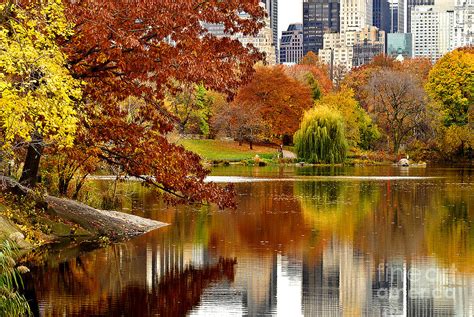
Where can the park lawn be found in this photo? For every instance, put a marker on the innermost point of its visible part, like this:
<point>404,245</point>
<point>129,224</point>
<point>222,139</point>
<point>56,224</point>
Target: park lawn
<point>217,150</point>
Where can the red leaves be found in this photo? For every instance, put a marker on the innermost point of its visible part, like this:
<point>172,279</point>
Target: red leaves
<point>279,99</point>
<point>125,48</point>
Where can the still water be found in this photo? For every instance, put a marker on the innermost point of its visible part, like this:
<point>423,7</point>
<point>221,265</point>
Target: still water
<point>379,241</point>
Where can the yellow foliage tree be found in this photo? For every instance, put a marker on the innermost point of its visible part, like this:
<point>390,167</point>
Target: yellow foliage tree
<point>38,94</point>
<point>451,83</point>
<point>359,128</point>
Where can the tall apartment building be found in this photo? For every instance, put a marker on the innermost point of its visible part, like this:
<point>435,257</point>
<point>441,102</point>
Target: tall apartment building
<point>411,4</point>
<point>432,31</point>
<point>355,15</point>
<point>291,44</point>
<point>272,9</point>
<point>319,17</point>
<point>463,23</point>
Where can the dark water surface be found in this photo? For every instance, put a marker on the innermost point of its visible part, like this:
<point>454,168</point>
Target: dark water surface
<point>303,241</point>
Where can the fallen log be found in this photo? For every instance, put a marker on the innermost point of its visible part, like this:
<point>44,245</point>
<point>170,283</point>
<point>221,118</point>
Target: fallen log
<point>112,224</point>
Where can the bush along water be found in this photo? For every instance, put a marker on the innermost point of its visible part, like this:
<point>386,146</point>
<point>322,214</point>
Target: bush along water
<point>321,138</point>
<point>12,303</point>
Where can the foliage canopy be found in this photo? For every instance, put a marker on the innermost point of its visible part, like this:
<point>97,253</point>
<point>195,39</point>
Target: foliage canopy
<point>39,95</point>
<point>451,82</point>
<point>321,137</point>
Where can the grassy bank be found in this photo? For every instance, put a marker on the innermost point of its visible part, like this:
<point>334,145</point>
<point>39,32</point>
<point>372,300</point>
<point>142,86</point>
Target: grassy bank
<point>217,150</point>
<point>230,151</point>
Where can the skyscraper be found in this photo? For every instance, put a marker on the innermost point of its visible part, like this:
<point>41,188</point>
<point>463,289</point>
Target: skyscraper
<point>381,15</point>
<point>319,17</point>
<point>291,44</point>
<point>411,4</point>
<point>433,31</point>
<point>272,9</point>
<point>355,15</point>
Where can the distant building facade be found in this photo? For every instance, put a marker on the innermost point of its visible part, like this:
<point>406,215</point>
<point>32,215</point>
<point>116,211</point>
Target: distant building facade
<point>358,41</point>
<point>291,44</point>
<point>399,44</point>
<point>272,9</point>
<point>263,41</point>
<point>411,4</point>
<point>433,31</point>
<point>368,43</point>
<point>381,17</point>
<point>352,49</point>
<point>319,17</point>
<point>463,23</point>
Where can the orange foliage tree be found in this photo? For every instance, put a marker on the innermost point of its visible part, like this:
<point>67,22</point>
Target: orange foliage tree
<point>279,99</point>
<point>310,59</point>
<point>120,49</point>
<point>307,74</point>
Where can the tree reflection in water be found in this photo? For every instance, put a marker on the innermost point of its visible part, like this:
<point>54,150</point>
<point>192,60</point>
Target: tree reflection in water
<point>174,294</point>
<point>337,241</point>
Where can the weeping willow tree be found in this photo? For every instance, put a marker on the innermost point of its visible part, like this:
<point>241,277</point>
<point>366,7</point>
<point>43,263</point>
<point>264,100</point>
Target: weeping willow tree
<point>321,137</point>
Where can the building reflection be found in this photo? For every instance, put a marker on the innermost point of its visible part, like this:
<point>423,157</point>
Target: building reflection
<point>312,248</point>
<point>339,283</point>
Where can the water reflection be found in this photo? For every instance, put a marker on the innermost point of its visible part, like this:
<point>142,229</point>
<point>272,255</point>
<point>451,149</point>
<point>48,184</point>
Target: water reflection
<point>325,247</point>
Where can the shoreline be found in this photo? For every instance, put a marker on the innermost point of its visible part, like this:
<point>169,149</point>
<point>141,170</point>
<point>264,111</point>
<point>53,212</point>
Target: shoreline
<point>64,219</point>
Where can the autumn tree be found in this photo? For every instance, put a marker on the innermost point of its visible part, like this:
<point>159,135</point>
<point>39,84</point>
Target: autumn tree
<point>359,129</point>
<point>279,99</point>
<point>121,50</point>
<point>316,77</point>
<point>191,105</point>
<point>243,122</point>
<point>419,67</point>
<point>321,137</point>
<point>39,95</point>
<point>451,83</point>
<point>310,59</point>
<point>359,77</point>
<point>398,102</point>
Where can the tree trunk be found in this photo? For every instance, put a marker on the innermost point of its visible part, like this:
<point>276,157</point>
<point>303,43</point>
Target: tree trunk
<point>79,185</point>
<point>29,176</point>
<point>251,145</point>
<point>115,225</point>
<point>63,185</point>
<point>396,148</point>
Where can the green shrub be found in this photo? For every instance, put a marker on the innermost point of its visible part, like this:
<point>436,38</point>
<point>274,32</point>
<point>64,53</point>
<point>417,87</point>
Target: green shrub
<point>12,303</point>
<point>321,137</point>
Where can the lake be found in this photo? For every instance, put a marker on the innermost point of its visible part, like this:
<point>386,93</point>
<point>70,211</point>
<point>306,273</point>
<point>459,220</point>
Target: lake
<point>313,241</point>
